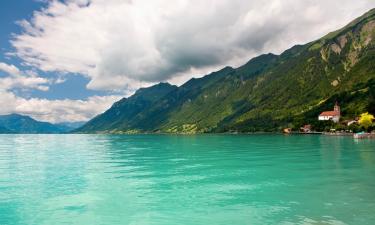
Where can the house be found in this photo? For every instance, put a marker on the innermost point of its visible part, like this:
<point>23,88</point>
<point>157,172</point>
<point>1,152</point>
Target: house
<point>350,122</point>
<point>331,115</point>
<point>306,128</point>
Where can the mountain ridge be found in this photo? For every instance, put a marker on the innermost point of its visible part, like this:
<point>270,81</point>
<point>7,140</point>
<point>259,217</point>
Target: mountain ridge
<point>265,94</point>
<point>20,124</point>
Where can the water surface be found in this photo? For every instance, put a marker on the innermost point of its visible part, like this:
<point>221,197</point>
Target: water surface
<point>206,179</point>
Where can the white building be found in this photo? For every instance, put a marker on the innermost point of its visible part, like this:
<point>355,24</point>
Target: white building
<point>331,115</point>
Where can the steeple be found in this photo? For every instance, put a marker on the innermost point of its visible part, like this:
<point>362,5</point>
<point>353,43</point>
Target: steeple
<point>336,108</point>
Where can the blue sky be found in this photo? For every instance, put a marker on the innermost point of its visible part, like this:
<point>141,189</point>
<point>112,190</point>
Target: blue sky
<point>12,11</point>
<point>67,61</point>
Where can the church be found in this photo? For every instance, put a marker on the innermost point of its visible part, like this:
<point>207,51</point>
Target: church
<point>331,115</point>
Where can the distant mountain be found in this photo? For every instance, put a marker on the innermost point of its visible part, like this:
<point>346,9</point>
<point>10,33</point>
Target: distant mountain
<point>69,126</point>
<point>4,130</point>
<point>15,123</point>
<point>267,93</point>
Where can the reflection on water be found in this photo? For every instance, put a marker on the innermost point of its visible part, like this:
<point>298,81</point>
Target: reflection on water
<point>207,179</point>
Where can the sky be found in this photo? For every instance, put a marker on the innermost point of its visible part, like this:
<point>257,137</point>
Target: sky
<point>69,60</point>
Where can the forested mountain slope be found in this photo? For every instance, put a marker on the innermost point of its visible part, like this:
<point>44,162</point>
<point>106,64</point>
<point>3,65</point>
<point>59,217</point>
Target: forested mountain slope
<point>267,93</point>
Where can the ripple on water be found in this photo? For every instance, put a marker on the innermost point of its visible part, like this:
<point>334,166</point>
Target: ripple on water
<point>206,179</point>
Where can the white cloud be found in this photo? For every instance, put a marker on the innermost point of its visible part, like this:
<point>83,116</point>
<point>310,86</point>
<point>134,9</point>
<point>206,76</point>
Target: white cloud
<point>55,111</point>
<point>38,83</point>
<point>127,44</point>
<point>59,80</point>
<point>10,69</point>
<point>19,79</point>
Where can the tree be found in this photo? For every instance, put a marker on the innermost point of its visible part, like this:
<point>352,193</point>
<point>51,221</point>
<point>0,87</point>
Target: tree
<point>354,128</point>
<point>365,120</point>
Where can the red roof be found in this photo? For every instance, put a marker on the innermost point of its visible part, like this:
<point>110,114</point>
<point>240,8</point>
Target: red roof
<point>329,113</point>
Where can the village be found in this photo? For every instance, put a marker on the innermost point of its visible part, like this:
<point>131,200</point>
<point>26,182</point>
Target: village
<point>360,127</point>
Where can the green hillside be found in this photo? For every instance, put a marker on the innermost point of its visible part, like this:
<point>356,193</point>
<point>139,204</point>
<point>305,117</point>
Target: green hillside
<point>267,93</point>
<point>124,114</point>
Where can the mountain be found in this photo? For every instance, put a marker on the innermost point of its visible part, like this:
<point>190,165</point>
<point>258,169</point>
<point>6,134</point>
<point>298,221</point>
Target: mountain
<point>69,126</point>
<point>15,123</point>
<point>124,114</point>
<point>267,93</point>
<point>4,130</point>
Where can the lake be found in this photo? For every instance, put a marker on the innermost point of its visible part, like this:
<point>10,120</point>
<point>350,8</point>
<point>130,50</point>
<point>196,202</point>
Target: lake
<point>172,179</point>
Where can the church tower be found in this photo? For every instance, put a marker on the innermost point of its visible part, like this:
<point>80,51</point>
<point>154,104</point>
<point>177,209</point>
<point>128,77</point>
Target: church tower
<point>336,108</point>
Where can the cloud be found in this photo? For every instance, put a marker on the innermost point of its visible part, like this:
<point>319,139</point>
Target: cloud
<point>21,79</point>
<point>38,83</point>
<point>10,69</point>
<point>127,44</point>
<point>55,111</point>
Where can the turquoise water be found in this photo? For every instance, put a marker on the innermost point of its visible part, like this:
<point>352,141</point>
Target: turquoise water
<point>207,179</point>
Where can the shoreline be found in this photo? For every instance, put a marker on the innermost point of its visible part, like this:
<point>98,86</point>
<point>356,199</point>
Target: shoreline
<point>369,135</point>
